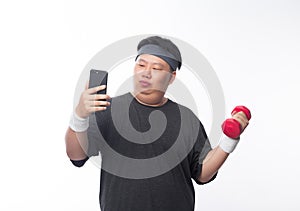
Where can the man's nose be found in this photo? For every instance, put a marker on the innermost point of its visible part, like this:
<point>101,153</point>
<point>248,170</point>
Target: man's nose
<point>147,72</point>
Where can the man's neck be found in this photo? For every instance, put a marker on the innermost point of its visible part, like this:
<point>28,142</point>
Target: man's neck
<point>150,99</point>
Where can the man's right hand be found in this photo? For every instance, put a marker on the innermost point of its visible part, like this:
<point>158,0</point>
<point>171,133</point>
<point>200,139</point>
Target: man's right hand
<point>91,102</point>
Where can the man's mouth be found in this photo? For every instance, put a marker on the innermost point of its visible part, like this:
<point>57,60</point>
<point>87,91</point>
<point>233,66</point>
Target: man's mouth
<point>144,83</point>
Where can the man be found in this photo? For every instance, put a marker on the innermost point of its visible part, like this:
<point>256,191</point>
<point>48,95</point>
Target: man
<point>167,185</point>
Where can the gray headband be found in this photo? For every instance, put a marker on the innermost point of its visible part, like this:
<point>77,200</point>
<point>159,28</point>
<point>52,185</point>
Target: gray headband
<point>162,53</point>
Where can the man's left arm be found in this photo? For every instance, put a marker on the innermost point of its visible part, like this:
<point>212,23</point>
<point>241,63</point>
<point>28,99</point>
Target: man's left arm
<point>217,156</point>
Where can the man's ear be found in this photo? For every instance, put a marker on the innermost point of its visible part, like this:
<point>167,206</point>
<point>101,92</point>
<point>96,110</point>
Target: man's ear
<point>173,75</point>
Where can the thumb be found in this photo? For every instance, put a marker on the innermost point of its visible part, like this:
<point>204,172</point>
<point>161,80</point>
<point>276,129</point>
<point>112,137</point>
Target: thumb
<point>87,85</point>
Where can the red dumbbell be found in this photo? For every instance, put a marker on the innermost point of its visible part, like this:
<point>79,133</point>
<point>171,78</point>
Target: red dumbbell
<point>232,127</point>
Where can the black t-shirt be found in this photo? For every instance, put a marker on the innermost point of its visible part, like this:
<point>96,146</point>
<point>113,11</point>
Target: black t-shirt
<point>130,137</point>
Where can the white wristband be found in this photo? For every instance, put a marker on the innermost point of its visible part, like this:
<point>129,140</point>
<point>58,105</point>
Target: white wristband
<point>78,124</point>
<point>228,144</point>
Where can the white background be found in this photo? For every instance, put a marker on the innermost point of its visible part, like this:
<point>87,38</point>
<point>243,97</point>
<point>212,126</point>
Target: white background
<point>252,45</point>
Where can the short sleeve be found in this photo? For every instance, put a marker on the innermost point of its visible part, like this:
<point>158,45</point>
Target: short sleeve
<point>79,163</point>
<point>200,150</point>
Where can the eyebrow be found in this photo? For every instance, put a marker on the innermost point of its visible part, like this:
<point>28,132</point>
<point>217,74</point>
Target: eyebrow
<point>155,63</point>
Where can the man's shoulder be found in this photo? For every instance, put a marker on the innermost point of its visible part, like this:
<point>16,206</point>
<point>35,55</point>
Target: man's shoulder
<point>118,98</point>
<point>184,109</point>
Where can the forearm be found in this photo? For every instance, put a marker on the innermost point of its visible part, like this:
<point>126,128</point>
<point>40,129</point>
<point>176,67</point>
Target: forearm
<point>90,102</point>
<point>216,157</point>
<point>212,163</point>
<point>76,144</point>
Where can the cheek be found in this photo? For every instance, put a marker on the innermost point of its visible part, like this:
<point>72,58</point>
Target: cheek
<point>162,79</point>
<point>136,73</point>
<point>136,69</point>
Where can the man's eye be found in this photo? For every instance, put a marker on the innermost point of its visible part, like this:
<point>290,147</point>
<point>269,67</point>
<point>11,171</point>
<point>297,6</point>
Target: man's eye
<point>141,65</point>
<point>157,69</point>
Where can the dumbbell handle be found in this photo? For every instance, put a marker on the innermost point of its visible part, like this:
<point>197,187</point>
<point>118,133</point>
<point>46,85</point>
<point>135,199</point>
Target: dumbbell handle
<point>232,127</point>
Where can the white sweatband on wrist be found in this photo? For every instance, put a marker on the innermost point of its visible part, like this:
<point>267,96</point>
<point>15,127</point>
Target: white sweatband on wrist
<point>228,144</point>
<point>77,123</point>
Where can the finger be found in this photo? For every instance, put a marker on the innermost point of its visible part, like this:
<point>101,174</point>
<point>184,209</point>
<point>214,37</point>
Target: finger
<point>102,108</point>
<point>239,113</point>
<point>101,97</point>
<point>97,97</point>
<point>96,89</point>
<point>243,121</point>
<point>95,103</point>
<point>100,103</point>
<point>241,116</point>
<point>97,108</point>
<point>87,85</point>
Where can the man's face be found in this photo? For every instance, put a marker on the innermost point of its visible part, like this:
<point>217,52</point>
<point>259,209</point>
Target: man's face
<point>152,75</point>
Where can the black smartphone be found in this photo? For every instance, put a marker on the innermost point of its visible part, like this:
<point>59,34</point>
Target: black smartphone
<point>98,78</point>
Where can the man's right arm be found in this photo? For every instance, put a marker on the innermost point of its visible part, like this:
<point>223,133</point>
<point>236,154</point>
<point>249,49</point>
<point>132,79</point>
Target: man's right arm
<point>76,144</point>
<point>76,135</point>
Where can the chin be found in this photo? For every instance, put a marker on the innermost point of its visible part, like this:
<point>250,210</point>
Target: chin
<point>138,90</point>
<point>146,91</point>
<point>141,90</point>
<point>152,92</point>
